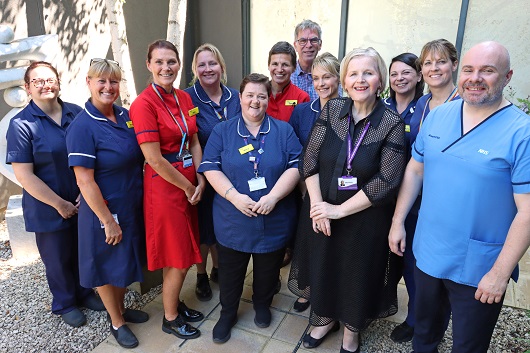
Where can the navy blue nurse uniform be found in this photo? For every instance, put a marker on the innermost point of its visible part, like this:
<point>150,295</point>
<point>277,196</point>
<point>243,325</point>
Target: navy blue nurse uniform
<point>33,137</point>
<point>111,150</point>
<point>303,118</point>
<point>209,115</point>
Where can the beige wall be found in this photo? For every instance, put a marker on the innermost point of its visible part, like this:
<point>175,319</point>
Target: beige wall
<point>272,21</point>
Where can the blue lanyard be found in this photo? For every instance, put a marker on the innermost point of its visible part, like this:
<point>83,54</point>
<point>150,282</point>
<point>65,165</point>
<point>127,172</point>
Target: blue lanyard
<point>183,133</point>
<point>353,152</point>
<point>260,152</point>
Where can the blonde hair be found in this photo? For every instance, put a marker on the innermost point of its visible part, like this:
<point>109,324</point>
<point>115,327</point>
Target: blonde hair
<point>368,52</point>
<point>218,56</point>
<point>104,67</point>
<point>328,62</point>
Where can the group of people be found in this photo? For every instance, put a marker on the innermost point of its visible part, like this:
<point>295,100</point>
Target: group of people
<point>286,162</point>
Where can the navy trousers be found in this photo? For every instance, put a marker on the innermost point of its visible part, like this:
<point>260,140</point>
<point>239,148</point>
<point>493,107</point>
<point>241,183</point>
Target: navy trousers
<point>232,270</point>
<point>473,321</point>
<point>58,251</point>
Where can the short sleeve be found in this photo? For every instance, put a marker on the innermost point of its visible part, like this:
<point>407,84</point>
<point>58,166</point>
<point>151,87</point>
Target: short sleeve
<point>294,149</point>
<point>415,119</point>
<point>80,145</point>
<point>419,144</point>
<point>295,120</point>
<point>19,143</point>
<point>521,168</point>
<point>211,158</point>
<point>144,117</point>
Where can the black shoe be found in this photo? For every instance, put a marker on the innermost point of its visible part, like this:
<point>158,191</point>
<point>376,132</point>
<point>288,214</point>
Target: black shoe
<point>203,290</point>
<point>188,314</point>
<point>214,275</point>
<point>133,316</point>
<point>124,336</point>
<point>93,302</point>
<point>311,342</point>
<point>74,318</point>
<point>222,330</point>
<point>300,306</point>
<point>402,333</point>
<point>180,328</point>
<point>263,317</point>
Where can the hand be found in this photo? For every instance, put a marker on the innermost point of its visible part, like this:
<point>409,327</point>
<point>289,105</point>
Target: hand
<point>397,238</point>
<point>322,210</point>
<point>244,204</point>
<point>67,209</point>
<point>265,205</point>
<point>491,287</point>
<point>199,189</point>
<point>322,225</point>
<point>113,233</point>
<point>190,192</point>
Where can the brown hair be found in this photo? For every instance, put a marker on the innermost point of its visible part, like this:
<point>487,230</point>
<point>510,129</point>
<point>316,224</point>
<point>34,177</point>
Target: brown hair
<point>256,78</point>
<point>442,47</point>
<point>161,44</point>
<point>36,64</point>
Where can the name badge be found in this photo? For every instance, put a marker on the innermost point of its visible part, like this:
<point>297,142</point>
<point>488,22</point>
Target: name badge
<point>193,111</point>
<point>347,182</point>
<point>291,102</point>
<point>246,149</point>
<point>130,124</point>
<point>407,128</point>
<point>256,184</point>
<point>115,216</point>
<point>187,160</point>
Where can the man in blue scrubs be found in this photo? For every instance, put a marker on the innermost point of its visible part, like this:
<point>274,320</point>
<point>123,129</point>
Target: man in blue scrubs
<point>473,159</point>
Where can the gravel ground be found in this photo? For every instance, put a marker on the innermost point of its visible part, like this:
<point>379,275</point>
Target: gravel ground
<point>27,325</point>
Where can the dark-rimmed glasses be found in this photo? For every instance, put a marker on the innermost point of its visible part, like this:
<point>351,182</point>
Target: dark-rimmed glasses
<point>313,41</point>
<point>98,60</point>
<point>39,82</point>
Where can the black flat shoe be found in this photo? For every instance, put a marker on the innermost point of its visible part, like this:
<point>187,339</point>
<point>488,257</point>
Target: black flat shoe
<point>180,328</point>
<point>124,336</point>
<point>188,314</point>
<point>214,275</point>
<point>222,330</point>
<point>203,292</point>
<point>263,317</point>
<point>74,318</point>
<point>402,333</point>
<point>299,306</point>
<point>133,316</point>
<point>311,342</point>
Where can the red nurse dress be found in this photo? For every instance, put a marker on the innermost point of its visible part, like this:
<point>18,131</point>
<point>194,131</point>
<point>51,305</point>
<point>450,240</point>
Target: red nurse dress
<point>171,224</point>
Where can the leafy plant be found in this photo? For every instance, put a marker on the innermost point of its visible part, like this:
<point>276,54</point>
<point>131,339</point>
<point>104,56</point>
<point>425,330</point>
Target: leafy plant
<point>521,103</point>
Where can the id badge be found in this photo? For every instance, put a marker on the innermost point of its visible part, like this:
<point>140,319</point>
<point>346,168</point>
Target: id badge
<point>257,184</point>
<point>347,182</point>
<point>115,216</point>
<point>187,161</point>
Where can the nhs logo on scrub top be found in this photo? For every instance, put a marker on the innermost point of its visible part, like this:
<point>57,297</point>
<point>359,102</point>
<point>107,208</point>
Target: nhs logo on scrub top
<point>484,152</point>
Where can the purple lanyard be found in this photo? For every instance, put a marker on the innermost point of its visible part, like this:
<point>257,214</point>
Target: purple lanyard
<point>260,151</point>
<point>352,153</point>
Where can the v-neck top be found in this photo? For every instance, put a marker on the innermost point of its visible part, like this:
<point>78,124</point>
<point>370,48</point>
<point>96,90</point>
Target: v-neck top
<point>468,185</point>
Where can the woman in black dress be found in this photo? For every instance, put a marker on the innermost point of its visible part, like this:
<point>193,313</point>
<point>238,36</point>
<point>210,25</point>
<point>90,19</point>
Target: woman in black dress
<point>352,164</point>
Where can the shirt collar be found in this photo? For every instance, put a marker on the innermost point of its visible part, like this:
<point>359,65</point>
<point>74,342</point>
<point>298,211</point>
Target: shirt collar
<point>374,117</point>
<point>203,97</point>
<point>298,71</point>
<point>95,114</point>
<point>242,130</point>
<point>315,105</point>
<point>36,111</point>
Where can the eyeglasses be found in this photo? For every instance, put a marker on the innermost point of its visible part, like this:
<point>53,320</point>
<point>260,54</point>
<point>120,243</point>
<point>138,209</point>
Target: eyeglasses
<point>40,82</point>
<point>98,60</point>
<point>313,41</point>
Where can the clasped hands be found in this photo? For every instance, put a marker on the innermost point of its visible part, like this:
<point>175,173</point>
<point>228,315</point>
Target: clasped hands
<point>251,208</point>
<point>321,214</point>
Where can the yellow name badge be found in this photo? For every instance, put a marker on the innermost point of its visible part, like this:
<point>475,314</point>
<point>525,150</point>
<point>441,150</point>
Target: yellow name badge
<point>246,149</point>
<point>130,124</point>
<point>291,102</point>
<point>193,111</point>
<point>407,128</point>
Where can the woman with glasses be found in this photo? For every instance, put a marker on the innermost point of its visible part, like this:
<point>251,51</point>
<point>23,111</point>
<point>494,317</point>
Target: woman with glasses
<point>36,148</point>
<point>215,103</point>
<point>107,162</point>
<point>167,133</point>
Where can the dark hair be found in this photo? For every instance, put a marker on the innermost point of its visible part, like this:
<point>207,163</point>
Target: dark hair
<point>442,47</point>
<point>283,48</point>
<point>161,44</point>
<point>36,64</point>
<point>412,61</point>
<point>256,78</point>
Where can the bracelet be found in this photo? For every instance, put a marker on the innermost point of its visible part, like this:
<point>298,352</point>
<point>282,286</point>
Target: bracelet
<point>227,191</point>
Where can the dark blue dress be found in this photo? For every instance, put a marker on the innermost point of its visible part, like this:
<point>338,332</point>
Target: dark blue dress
<point>111,150</point>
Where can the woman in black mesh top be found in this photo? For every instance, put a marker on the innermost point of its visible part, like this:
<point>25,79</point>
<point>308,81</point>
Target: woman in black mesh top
<point>352,164</point>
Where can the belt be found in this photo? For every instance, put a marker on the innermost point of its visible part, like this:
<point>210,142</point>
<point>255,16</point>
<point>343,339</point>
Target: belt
<point>175,156</point>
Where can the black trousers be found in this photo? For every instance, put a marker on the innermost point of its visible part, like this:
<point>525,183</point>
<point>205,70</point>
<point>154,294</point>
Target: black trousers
<point>232,270</point>
<point>473,321</point>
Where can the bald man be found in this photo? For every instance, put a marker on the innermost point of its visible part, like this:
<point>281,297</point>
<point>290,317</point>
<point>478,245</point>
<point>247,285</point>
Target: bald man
<point>472,158</point>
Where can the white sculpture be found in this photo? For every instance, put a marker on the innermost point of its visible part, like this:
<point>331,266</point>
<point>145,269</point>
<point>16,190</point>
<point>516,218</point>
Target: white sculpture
<point>38,48</point>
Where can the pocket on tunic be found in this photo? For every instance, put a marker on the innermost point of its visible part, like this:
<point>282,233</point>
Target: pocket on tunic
<point>479,260</point>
